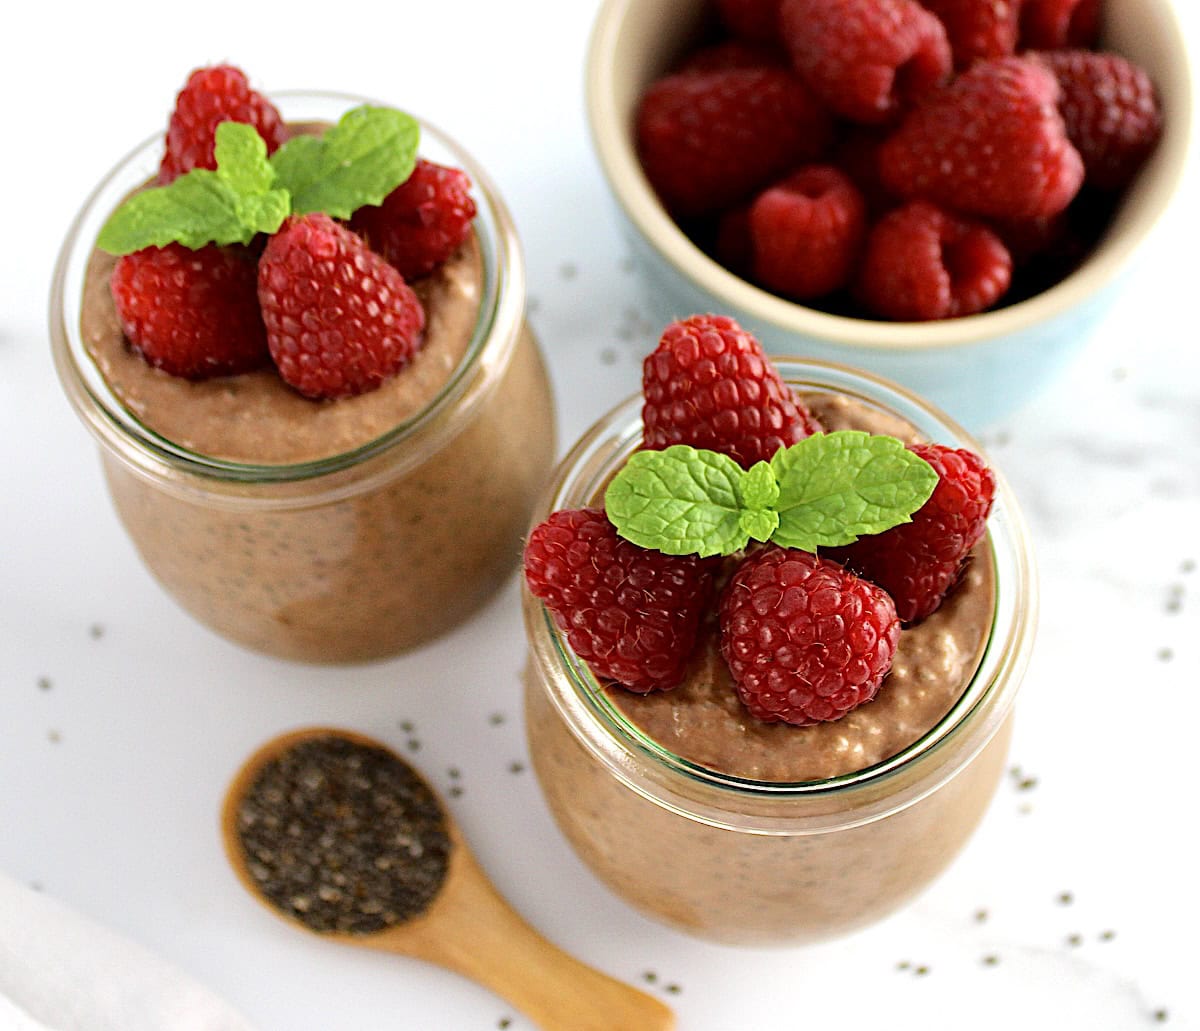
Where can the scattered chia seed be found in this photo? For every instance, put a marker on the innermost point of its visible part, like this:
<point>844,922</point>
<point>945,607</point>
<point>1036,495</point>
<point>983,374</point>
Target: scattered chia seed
<point>991,960</point>
<point>1027,784</point>
<point>568,270</point>
<point>1165,655</point>
<point>649,977</point>
<point>496,718</point>
<point>54,736</point>
<point>504,1022</point>
<point>921,971</point>
<point>981,916</point>
<point>608,356</point>
<point>1160,1016</point>
<point>343,836</point>
<point>516,767</point>
<point>1188,565</point>
<point>674,989</point>
<point>1065,898</point>
<point>1074,940</point>
<point>1107,936</point>
<point>1025,809</point>
<point>414,745</point>
<point>453,773</point>
<point>903,965</point>
<point>44,683</point>
<point>97,631</point>
<point>455,791</point>
<point>407,726</point>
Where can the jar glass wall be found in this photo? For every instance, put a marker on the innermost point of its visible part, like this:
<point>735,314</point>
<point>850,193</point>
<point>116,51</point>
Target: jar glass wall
<point>349,556</point>
<point>766,862</point>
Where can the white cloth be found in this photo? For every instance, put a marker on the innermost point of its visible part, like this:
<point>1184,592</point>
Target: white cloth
<point>61,972</point>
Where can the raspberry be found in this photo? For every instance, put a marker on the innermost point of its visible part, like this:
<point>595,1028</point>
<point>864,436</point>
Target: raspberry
<point>708,141</point>
<point>918,563</point>
<point>925,263</point>
<point>866,59</point>
<point>805,639</point>
<point>422,221</point>
<point>340,320</point>
<point>211,96</point>
<point>753,20</point>
<point>807,231</point>
<point>978,28</point>
<point>191,313</point>
<point>1111,111</point>
<point>1051,24</point>
<point>991,143</point>
<point>708,384</point>
<point>632,614</point>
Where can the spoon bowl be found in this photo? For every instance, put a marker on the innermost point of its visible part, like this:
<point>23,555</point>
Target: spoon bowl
<point>468,927</point>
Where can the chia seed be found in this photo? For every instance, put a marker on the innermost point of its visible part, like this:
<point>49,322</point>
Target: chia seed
<point>344,837</point>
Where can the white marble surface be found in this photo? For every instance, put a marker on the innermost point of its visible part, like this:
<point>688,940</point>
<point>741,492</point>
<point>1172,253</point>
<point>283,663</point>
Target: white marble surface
<point>121,720</point>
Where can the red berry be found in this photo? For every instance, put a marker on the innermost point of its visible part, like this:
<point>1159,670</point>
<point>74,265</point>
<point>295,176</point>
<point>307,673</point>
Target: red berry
<point>422,221</point>
<point>211,96</point>
<point>1050,24</point>
<point>632,614</point>
<point>191,313</point>
<point>918,563</point>
<point>922,262</point>
<point>978,28</point>
<point>709,141</point>
<point>807,231</point>
<point>754,20</point>
<point>990,143</point>
<point>340,320</point>
<point>1111,111</point>
<point>805,639</point>
<point>709,384</point>
<point>866,59</point>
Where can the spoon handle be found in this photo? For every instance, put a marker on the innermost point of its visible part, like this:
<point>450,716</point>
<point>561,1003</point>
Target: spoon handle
<point>476,933</point>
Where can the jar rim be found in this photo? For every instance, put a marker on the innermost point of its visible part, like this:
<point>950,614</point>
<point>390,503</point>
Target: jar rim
<point>500,313</point>
<point>645,765</point>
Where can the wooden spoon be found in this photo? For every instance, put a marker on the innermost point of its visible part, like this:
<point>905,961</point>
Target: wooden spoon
<point>471,929</point>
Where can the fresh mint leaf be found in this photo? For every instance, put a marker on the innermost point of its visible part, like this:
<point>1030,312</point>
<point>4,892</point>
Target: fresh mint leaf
<point>227,206</point>
<point>359,161</point>
<point>836,487</point>
<point>759,495</point>
<point>680,501</point>
<point>242,159</point>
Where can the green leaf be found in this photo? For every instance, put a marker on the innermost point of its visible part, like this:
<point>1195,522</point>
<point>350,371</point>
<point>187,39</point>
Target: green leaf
<point>836,487</point>
<point>242,159</point>
<point>359,161</point>
<point>680,501</point>
<point>227,206</point>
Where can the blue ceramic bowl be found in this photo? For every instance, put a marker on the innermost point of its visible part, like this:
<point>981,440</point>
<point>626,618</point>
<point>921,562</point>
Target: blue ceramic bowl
<point>978,368</point>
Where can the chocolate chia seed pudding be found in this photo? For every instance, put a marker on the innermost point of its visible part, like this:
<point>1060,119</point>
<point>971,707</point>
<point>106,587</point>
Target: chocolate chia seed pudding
<point>755,833</point>
<point>323,531</point>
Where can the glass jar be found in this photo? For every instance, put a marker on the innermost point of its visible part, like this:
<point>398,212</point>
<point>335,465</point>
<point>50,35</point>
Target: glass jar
<point>757,862</point>
<point>352,556</point>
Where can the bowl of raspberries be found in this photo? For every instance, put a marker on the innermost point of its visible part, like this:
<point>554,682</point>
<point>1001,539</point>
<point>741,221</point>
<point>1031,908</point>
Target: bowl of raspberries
<point>945,192</point>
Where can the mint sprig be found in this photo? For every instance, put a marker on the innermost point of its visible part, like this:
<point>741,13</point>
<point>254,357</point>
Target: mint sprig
<point>359,161</point>
<point>825,491</point>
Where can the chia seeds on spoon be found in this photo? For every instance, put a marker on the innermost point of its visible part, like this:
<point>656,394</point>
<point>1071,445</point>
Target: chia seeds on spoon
<point>342,836</point>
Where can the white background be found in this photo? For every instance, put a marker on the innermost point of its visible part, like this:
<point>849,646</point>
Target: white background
<point>121,720</point>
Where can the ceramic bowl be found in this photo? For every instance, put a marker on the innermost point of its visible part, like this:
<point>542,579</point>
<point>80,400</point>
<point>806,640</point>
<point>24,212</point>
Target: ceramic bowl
<point>978,368</point>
